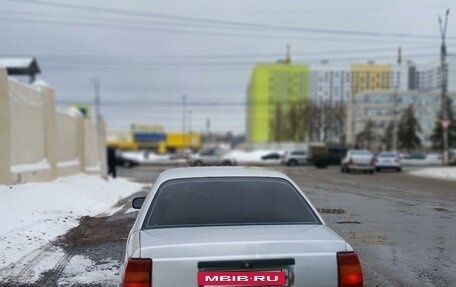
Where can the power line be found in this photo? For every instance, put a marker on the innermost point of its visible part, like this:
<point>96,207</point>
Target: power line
<point>144,57</point>
<point>152,64</point>
<point>178,103</point>
<point>186,31</point>
<point>255,26</point>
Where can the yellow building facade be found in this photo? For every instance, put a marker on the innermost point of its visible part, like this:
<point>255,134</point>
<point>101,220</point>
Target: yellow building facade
<point>366,77</point>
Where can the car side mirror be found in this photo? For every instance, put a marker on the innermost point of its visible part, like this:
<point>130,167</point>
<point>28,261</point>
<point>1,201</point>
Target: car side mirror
<point>138,202</point>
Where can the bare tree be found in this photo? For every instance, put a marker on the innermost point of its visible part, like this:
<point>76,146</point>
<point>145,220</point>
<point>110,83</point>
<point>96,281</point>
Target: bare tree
<point>302,120</point>
<point>366,137</point>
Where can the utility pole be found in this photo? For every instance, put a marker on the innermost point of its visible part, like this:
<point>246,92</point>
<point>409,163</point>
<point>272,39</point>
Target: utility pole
<point>96,90</point>
<point>100,127</point>
<point>443,71</point>
<point>189,121</point>
<point>208,129</point>
<point>395,111</point>
<point>184,112</point>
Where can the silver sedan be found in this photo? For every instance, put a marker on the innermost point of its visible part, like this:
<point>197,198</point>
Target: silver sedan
<point>236,226</point>
<point>388,160</point>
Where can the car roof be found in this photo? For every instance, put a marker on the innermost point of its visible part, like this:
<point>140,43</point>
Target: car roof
<point>216,171</point>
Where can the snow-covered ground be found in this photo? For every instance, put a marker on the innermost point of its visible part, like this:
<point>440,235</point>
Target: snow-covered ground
<point>150,158</point>
<point>34,214</point>
<point>250,156</point>
<point>81,270</point>
<point>447,173</point>
<point>242,157</point>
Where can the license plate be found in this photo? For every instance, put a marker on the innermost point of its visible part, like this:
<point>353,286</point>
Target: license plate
<point>270,278</point>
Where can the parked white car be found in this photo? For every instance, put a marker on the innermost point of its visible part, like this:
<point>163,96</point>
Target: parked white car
<point>388,160</point>
<point>360,160</point>
<point>211,157</point>
<point>199,222</point>
<point>295,157</point>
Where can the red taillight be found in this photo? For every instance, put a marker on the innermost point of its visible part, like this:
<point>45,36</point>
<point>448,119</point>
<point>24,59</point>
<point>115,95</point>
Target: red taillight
<point>138,273</point>
<point>349,268</point>
<point>350,160</point>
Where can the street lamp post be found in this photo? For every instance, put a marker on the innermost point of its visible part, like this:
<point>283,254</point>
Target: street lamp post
<point>184,107</point>
<point>189,121</point>
<point>190,137</point>
<point>444,95</point>
<point>395,111</point>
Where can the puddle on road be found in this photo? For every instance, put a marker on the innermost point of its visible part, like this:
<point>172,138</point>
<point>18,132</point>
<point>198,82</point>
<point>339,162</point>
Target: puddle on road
<point>331,210</point>
<point>369,237</point>
<point>441,209</point>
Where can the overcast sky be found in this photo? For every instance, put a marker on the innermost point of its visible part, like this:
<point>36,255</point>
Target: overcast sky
<point>146,58</point>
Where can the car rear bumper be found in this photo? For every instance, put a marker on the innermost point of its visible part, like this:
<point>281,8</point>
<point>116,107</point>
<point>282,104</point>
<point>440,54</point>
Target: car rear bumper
<point>361,167</point>
<point>388,165</point>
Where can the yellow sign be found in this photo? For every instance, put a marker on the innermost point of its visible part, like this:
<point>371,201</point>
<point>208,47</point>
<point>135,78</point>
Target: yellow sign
<point>147,128</point>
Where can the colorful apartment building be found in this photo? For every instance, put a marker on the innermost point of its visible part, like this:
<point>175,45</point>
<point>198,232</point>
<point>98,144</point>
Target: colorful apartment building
<point>377,108</point>
<point>370,77</point>
<point>330,85</point>
<point>271,86</point>
<point>366,77</point>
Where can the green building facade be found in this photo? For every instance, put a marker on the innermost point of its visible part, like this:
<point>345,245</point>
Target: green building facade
<point>277,97</point>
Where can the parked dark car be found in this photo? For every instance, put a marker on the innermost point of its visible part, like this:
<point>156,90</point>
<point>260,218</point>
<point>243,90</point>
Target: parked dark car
<point>415,155</point>
<point>323,156</point>
<point>271,156</point>
<point>126,162</point>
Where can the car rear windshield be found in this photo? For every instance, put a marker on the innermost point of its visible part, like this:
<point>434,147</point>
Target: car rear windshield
<point>360,152</point>
<point>388,155</point>
<point>228,201</point>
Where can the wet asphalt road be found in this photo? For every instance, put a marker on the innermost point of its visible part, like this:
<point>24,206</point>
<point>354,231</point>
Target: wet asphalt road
<point>402,226</point>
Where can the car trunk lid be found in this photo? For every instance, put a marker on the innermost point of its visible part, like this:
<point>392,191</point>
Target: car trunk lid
<point>178,251</point>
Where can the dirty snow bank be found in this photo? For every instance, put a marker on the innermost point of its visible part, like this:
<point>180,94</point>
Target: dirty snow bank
<point>81,270</point>
<point>448,173</point>
<point>34,214</point>
<point>251,156</point>
<point>143,157</point>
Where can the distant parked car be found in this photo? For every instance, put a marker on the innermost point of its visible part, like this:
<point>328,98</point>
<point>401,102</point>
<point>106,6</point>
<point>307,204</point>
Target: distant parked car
<point>388,160</point>
<point>211,157</point>
<point>414,156</point>
<point>324,155</point>
<point>421,159</point>
<point>295,157</point>
<point>186,154</point>
<point>434,158</point>
<point>271,156</point>
<point>452,157</point>
<point>362,160</point>
<point>125,161</point>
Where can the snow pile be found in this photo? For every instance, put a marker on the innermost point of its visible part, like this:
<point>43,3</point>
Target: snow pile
<point>144,158</point>
<point>40,165</point>
<point>448,173</point>
<point>250,156</point>
<point>81,270</point>
<point>34,214</point>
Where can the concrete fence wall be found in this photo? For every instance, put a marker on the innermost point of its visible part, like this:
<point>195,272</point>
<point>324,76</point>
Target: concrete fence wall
<point>37,143</point>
